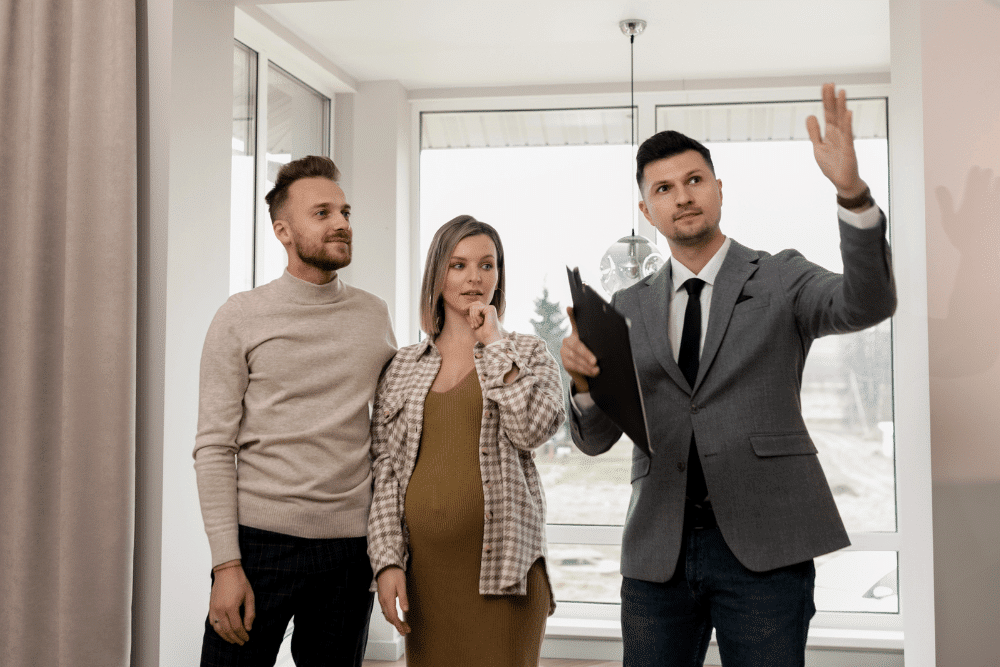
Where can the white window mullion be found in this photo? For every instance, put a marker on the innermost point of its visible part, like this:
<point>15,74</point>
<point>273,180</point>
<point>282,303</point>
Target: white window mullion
<point>873,542</point>
<point>263,227</point>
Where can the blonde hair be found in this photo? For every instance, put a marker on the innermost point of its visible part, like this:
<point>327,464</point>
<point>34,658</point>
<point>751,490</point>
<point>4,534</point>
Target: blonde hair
<point>442,246</point>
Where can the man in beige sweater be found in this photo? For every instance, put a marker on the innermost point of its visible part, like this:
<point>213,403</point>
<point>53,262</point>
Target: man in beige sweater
<point>282,451</point>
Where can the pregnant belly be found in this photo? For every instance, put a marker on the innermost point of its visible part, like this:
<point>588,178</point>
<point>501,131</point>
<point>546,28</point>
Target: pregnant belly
<point>444,506</point>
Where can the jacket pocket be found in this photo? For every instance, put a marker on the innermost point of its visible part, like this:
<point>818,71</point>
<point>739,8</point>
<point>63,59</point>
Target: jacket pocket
<point>782,444</point>
<point>388,411</point>
<point>751,303</point>
<point>640,465</point>
<point>388,428</point>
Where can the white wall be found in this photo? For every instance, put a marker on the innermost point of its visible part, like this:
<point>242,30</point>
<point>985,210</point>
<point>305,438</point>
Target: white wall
<point>961,105</point>
<point>379,192</point>
<point>154,47</point>
<point>197,283</point>
<point>912,427</point>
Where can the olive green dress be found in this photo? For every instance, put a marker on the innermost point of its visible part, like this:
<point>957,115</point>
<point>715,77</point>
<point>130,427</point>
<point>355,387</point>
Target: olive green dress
<point>451,623</point>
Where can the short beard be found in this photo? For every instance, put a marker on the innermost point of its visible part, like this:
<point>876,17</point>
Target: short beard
<point>697,237</point>
<point>321,261</point>
<point>693,239</point>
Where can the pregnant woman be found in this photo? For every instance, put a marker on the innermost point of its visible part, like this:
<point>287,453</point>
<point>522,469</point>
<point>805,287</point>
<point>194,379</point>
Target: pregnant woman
<point>456,532</point>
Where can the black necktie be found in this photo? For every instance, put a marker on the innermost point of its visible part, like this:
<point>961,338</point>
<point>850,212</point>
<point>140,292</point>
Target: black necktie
<point>687,356</point>
<point>687,359</point>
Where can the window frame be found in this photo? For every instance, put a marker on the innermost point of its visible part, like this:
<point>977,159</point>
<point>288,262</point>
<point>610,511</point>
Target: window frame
<point>273,50</point>
<point>912,538</point>
<point>246,264</point>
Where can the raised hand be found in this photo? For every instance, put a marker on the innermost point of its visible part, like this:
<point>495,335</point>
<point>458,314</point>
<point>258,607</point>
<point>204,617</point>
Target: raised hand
<point>834,148</point>
<point>577,359</point>
<point>484,322</point>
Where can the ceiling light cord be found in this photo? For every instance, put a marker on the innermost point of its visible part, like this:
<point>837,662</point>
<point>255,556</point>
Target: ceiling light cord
<point>632,258</point>
<point>632,111</point>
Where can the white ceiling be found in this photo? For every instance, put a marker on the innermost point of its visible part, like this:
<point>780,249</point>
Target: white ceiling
<point>483,43</point>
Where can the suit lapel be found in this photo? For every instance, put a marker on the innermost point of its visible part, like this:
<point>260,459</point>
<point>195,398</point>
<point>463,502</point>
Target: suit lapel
<point>654,304</point>
<point>739,265</point>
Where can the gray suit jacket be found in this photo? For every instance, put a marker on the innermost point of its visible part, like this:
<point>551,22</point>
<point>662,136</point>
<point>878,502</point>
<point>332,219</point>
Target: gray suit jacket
<point>770,496</point>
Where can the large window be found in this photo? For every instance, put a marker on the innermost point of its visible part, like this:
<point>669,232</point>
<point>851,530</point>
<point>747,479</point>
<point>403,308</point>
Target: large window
<point>296,124</point>
<point>559,187</point>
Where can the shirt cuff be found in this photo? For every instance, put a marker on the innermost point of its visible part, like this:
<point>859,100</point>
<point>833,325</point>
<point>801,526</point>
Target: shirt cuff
<point>867,219</point>
<point>581,402</point>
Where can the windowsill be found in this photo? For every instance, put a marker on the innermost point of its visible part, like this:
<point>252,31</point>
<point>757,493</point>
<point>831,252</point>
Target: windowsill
<point>822,638</point>
<point>583,628</point>
<point>856,638</point>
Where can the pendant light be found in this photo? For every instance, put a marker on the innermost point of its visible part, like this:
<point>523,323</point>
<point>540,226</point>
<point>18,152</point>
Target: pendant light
<point>633,257</point>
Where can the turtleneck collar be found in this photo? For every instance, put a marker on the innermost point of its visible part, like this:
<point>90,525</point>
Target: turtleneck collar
<point>305,292</point>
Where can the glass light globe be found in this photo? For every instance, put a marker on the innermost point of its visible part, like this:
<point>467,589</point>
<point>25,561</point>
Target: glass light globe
<point>628,261</point>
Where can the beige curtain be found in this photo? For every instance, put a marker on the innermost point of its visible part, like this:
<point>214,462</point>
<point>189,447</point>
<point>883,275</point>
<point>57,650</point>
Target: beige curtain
<point>67,330</point>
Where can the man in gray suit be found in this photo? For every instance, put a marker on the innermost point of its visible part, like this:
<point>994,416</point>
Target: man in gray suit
<point>727,515</point>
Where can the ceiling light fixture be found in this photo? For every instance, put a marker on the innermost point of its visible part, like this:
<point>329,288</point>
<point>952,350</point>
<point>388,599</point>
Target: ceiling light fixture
<point>633,257</point>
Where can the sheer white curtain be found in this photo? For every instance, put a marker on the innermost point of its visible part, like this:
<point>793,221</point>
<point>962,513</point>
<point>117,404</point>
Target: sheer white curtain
<point>67,330</point>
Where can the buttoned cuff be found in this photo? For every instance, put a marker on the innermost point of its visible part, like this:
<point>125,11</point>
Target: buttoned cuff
<point>494,361</point>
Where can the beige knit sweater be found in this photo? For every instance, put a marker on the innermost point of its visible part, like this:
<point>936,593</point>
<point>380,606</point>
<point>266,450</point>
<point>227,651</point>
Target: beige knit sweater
<point>287,375</point>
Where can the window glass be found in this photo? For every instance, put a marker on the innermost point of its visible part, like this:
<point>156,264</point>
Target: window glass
<point>298,122</point>
<point>242,215</point>
<point>585,572</point>
<point>858,581</point>
<point>559,202</point>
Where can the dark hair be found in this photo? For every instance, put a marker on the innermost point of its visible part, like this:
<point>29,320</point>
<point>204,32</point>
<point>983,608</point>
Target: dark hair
<point>442,246</point>
<point>667,144</point>
<point>311,166</point>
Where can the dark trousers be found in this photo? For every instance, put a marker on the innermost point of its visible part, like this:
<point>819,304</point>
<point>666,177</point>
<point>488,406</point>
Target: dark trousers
<point>761,619</point>
<point>322,583</point>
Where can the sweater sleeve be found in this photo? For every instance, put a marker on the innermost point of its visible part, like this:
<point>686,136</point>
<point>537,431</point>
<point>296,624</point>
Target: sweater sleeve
<point>223,382</point>
<point>531,407</point>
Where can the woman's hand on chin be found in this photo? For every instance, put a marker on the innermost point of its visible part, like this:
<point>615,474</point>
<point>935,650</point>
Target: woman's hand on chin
<point>485,324</point>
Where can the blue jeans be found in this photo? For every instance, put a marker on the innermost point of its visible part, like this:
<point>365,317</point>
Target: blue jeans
<point>761,618</point>
<point>323,583</point>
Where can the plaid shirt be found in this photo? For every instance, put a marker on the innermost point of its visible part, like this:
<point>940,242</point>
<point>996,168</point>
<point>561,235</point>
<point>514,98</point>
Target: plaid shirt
<point>517,418</point>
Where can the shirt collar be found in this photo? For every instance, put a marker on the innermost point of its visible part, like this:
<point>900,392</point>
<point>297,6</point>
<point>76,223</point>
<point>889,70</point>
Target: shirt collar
<point>680,273</point>
<point>426,344</point>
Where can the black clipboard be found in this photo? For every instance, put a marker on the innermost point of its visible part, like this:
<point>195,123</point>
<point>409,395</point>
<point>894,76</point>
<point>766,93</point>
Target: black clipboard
<point>605,332</point>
